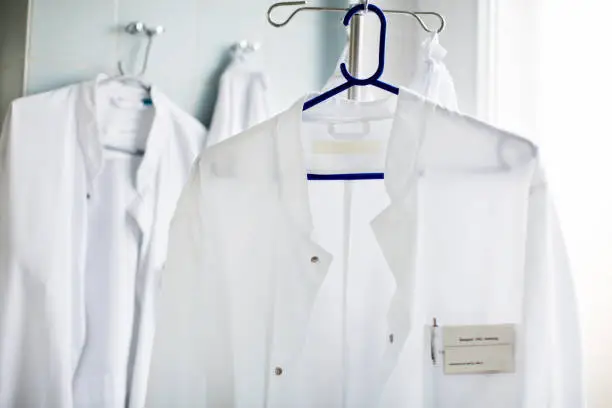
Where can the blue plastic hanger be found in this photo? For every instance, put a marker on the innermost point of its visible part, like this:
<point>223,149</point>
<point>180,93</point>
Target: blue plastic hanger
<point>352,81</point>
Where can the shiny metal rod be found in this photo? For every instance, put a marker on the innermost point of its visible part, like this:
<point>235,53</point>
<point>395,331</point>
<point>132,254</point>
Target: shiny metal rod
<point>354,61</point>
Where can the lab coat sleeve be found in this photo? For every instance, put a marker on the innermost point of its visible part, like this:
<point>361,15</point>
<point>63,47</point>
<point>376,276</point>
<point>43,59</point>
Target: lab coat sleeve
<point>553,346</point>
<point>36,366</point>
<point>176,376</point>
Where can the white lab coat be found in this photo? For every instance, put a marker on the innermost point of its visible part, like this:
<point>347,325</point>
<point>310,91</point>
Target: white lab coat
<point>78,267</point>
<point>243,99</point>
<point>281,292</point>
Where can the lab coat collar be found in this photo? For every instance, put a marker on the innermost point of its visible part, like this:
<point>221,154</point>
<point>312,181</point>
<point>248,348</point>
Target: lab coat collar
<point>88,133</point>
<point>403,153</point>
<point>395,228</point>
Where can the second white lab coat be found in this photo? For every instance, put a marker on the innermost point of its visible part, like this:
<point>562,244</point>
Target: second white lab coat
<point>242,100</point>
<point>432,78</point>
<point>282,292</point>
<point>52,160</point>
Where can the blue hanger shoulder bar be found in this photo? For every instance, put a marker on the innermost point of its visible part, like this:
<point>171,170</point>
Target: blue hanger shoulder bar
<point>345,177</point>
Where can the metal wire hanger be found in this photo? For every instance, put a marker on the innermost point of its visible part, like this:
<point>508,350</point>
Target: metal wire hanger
<point>140,28</point>
<point>416,14</point>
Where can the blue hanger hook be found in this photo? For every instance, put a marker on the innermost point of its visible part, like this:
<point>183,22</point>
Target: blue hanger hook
<point>351,80</point>
<point>381,49</point>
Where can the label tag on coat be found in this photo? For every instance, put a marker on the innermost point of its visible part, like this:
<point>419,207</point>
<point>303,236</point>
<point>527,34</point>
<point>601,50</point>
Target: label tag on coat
<point>479,349</point>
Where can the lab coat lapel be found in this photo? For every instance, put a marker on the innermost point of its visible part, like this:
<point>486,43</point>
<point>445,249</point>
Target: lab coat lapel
<point>88,133</point>
<point>298,282</point>
<point>145,206</point>
<point>89,137</point>
<point>292,168</point>
<point>396,228</point>
<point>142,207</point>
<point>158,136</point>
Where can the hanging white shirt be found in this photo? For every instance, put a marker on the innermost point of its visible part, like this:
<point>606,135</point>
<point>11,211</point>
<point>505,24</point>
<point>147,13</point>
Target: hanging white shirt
<point>281,292</point>
<point>432,78</point>
<point>242,101</point>
<point>83,237</point>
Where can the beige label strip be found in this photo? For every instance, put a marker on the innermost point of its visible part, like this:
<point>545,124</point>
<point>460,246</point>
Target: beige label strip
<point>347,146</point>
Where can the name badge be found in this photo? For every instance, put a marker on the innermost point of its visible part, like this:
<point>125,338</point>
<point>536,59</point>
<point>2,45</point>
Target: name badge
<point>479,349</point>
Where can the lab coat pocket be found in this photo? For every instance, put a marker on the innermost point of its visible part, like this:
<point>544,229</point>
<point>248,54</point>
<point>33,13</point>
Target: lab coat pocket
<point>473,366</point>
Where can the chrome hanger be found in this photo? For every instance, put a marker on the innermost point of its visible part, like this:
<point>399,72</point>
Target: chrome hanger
<point>416,14</point>
<point>245,46</point>
<point>136,28</point>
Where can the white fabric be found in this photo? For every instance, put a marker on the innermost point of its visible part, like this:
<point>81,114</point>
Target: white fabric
<point>111,264</point>
<point>431,79</point>
<point>285,293</point>
<point>242,101</point>
<point>83,236</point>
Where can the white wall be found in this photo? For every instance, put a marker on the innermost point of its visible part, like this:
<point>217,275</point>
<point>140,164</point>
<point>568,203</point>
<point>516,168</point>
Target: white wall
<point>73,40</point>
